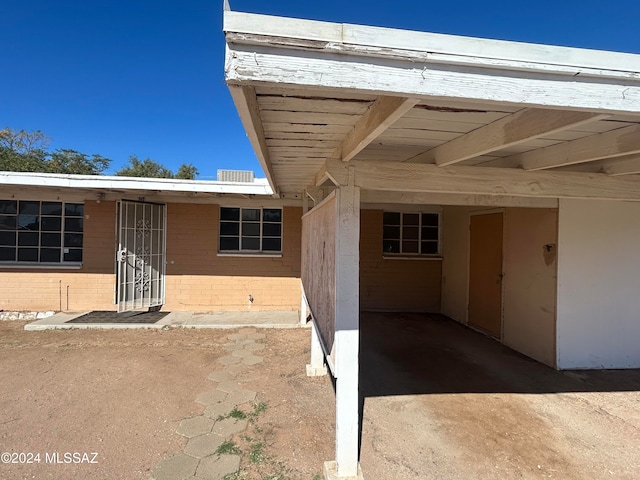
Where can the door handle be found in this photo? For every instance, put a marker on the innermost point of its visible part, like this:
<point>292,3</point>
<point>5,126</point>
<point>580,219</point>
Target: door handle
<point>122,256</point>
<point>500,277</point>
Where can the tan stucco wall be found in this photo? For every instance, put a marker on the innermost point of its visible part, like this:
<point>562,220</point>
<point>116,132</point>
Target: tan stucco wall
<point>197,278</point>
<point>394,284</point>
<point>529,285</point>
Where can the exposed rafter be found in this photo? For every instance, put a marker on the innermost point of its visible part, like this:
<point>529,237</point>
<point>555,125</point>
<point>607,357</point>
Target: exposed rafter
<point>614,143</point>
<point>246,103</point>
<point>622,166</point>
<point>383,113</point>
<point>411,177</point>
<point>523,125</point>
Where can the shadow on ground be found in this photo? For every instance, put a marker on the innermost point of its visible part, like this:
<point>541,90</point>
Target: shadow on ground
<point>410,354</point>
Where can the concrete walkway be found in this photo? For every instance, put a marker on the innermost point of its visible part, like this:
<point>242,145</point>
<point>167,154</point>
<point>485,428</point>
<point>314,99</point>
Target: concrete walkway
<point>203,458</point>
<point>223,319</point>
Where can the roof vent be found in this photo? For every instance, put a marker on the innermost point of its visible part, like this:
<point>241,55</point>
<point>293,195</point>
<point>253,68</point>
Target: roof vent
<point>236,176</point>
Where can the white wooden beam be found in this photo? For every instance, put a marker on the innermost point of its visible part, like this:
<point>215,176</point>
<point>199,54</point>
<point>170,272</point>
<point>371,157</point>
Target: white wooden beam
<point>320,69</point>
<point>383,113</point>
<point>316,366</point>
<point>246,103</point>
<point>622,166</point>
<point>614,143</point>
<point>381,41</point>
<point>523,125</point>
<point>373,199</point>
<point>411,177</point>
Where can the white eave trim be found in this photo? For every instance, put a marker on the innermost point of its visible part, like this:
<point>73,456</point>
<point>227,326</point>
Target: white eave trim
<point>432,47</point>
<point>99,182</point>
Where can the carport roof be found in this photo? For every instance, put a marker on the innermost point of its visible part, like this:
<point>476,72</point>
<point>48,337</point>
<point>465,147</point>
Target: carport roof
<point>406,113</point>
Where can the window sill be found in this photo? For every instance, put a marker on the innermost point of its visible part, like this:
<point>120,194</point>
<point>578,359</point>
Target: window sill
<point>41,266</point>
<point>250,254</point>
<point>412,257</point>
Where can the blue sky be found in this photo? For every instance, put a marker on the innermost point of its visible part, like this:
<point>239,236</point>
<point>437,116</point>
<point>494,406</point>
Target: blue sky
<point>118,77</point>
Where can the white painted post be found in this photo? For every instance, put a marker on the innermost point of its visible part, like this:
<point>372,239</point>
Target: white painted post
<point>316,367</point>
<point>347,335</point>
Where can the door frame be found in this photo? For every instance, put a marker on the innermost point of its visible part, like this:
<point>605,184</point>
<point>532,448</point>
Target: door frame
<point>489,211</point>
<point>163,260</point>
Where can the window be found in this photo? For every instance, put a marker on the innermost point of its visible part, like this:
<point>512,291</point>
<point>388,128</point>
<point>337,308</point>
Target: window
<point>251,230</point>
<point>40,232</point>
<point>410,233</point>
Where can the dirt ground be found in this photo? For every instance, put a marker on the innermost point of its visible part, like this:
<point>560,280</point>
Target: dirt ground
<point>439,402</point>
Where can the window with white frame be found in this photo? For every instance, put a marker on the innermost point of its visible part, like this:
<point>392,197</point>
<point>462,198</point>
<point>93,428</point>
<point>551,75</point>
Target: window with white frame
<point>250,230</point>
<point>411,233</point>
<point>33,231</point>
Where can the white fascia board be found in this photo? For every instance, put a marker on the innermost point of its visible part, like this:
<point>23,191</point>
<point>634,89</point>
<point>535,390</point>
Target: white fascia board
<point>436,48</point>
<point>99,182</point>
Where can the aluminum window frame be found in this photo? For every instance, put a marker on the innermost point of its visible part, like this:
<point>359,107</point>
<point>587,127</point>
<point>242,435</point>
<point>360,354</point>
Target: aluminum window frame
<point>420,240</point>
<point>16,263</point>
<point>261,222</point>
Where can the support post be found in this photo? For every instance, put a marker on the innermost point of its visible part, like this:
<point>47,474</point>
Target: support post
<point>347,335</point>
<point>317,367</point>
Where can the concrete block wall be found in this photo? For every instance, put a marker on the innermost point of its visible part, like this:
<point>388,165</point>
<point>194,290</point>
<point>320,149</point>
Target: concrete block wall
<point>197,278</point>
<point>89,287</point>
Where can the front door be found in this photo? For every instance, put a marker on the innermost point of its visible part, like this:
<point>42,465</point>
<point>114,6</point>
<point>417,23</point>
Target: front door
<point>140,256</point>
<point>485,273</point>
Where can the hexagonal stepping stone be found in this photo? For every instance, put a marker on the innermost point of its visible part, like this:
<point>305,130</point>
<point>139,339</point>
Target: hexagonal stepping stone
<point>227,427</point>
<point>203,445</point>
<point>229,386</point>
<point>236,370</point>
<point>228,360</point>
<point>247,330</point>
<point>216,410</point>
<point>178,467</point>
<point>237,336</point>
<point>239,397</point>
<point>254,347</point>
<point>216,467</point>
<point>252,360</point>
<point>194,426</point>
<point>256,336</point>
<point>219,376</point>
<point>245,342</point>
<point>213,396</point>
<point>241,353</point>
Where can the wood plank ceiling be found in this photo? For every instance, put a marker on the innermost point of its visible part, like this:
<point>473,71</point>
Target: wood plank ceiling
<point>303,128</point>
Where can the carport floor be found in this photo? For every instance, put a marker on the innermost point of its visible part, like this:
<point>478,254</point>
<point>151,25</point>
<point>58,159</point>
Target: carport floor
<point>442,401</point>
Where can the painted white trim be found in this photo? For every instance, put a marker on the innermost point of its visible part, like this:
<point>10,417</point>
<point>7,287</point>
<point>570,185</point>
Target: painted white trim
<point>260,186</point>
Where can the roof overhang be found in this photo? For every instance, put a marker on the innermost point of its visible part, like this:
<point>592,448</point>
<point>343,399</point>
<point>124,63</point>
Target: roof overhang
<point>312,95</point>
<point>99,186</point>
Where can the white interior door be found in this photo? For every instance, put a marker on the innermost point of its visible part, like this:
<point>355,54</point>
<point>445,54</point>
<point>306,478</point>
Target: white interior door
<point>141,256</point>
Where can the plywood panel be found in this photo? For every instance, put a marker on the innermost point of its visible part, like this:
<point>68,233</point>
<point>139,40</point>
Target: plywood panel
<point>318,266</point>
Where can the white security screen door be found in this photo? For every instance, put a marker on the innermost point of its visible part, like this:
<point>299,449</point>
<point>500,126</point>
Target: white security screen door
<point>141,256</point>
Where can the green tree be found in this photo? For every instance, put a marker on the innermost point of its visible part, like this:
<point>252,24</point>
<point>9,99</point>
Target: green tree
<point>144,168</point>
<point>22,151</point>
<point>70,161</point>
<point>187,172</point>
<point>148,168</point>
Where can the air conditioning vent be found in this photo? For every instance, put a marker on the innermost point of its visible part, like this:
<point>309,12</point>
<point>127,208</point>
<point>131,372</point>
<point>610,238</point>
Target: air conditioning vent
<point>236,176</point>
